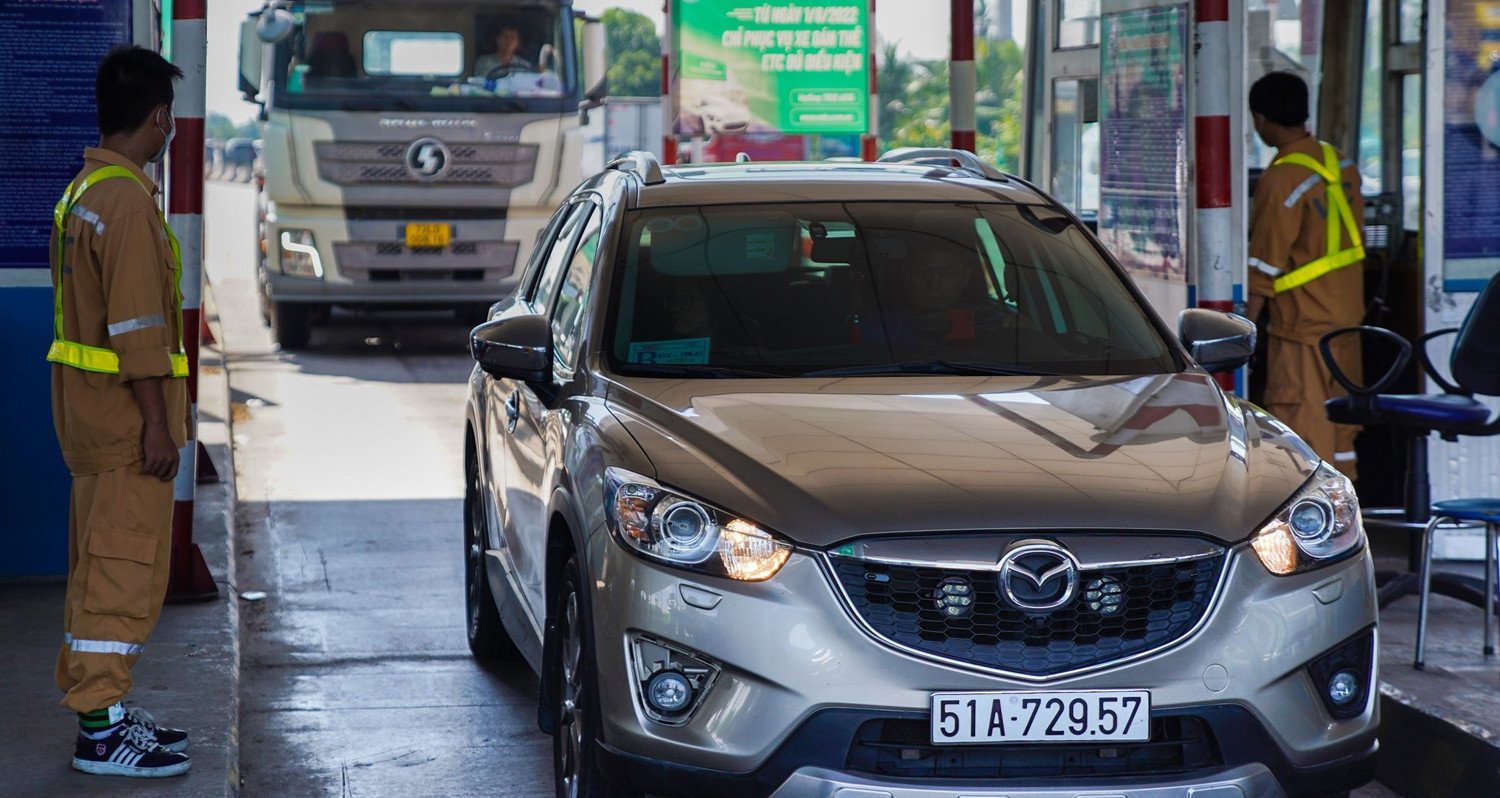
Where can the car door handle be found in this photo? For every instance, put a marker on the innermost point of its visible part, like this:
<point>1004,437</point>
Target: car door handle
<point>512,411</point>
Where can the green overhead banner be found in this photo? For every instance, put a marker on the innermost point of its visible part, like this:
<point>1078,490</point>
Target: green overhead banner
<point>778,67</point>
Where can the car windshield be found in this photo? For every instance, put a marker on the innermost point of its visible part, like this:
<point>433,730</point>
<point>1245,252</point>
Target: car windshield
<point>871,288</point>
<point>423,56</point>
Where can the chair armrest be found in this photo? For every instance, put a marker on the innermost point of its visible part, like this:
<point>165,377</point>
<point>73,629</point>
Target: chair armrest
<point>1403,357</point>
<point>1427,365</point>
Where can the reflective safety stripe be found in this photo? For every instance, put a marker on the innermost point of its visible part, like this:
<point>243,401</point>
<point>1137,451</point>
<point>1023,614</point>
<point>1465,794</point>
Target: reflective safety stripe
<point>94,358</point>
<point>1340,221</point>
<point>1305,187</point>
<point>100,360</point>
<point>106,647</point>
<point>1262,266</point>
<point>1345,457</point>
<point>138,323</point>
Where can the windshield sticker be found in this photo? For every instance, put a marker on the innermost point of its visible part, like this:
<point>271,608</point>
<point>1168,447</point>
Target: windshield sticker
<point>681,352</point>
<point>760,246</point>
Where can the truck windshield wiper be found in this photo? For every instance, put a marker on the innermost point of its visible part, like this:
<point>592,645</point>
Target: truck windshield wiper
<point>690,371</point>
<point>930,367</point>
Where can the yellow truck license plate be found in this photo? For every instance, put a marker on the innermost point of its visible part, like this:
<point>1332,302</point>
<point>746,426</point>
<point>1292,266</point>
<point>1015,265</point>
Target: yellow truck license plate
<point>428,235</point>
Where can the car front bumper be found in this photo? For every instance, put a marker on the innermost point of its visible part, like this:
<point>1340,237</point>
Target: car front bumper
<point>792,660</point>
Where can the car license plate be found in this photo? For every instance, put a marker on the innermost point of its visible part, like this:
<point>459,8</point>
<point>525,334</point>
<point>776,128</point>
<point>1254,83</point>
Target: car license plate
<point>419,236</point>
<point>1065,716</point>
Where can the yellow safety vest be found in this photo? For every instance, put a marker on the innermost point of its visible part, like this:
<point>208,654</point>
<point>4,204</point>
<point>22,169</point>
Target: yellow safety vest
<point>1340,219</point>
<point>95,358</point>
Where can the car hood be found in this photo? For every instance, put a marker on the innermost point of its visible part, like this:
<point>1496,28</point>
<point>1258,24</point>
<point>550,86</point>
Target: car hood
<point>828,460</point>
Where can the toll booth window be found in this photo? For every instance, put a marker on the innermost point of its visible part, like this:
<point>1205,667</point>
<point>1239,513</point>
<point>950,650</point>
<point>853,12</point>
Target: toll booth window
<point>390,52</point>
<point>1284,35</point>
<point>1411,21</point>
<point>1075,145</point>
<point>1077,24</point>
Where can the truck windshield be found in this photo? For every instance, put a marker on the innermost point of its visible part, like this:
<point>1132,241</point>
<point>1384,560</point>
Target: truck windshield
<point>872,288</point>
<point>430,56</point>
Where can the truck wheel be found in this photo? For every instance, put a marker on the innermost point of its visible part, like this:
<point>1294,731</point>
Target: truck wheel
<point>292,324</point>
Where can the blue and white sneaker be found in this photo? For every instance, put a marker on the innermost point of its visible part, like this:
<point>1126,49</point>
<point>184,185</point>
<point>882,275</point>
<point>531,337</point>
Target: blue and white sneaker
<point>130,749</point>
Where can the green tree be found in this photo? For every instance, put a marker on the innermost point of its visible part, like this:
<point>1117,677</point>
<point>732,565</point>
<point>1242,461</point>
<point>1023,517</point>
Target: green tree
<point>914,102</point>
<point>634,52</point>
<point>219,126</point>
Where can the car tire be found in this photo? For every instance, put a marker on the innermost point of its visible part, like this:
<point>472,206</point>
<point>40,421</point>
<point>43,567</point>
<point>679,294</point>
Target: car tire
<point>488,640</point>
<point>575,747</point>
<point>292,324</point>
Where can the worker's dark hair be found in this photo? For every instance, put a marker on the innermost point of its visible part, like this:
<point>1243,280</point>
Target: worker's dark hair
<point>131,82</point>
<point>1280,97</point>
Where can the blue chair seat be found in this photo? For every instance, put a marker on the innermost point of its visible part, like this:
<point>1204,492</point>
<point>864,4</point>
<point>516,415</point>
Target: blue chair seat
<point>1482,510</point>
<point>1443,409</point>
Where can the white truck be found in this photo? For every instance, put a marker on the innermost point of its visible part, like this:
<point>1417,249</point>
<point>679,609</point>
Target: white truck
<point>414,149</point>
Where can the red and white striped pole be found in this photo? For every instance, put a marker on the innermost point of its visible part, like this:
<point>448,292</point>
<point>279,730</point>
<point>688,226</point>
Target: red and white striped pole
<point>869,143</point>
<point>668,134</point>
<point>1214,189</point>
<point>962,82</point>
<point>189,578</point>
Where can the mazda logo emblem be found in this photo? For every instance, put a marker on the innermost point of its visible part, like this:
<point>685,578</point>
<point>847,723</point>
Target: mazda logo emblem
<point>427,158</point>
<point>1038,575</point>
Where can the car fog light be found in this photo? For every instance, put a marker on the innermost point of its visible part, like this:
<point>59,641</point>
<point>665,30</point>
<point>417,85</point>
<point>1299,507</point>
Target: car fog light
<point>955,597</point>
<point>1105,595</point>
<point>1343,688</point>
<point>669,692</point>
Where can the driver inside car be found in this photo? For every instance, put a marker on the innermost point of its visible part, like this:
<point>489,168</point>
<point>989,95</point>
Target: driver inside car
<point>506,57</point>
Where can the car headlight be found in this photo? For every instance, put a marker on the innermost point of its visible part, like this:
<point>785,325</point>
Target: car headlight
<point>299,255</point>
<point>1317,526</point>
<point>671,528</point>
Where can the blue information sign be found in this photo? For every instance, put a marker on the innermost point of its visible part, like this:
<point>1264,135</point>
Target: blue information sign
<point>1471,145</point>
<point>49,54</point>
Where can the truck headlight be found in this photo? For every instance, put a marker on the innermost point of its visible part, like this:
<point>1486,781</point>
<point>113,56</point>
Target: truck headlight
<point>299,254</point>
<point>679,530</point>
<point>1319,525</point>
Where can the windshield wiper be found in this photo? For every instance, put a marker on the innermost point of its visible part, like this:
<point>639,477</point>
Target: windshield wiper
<point>693,371</point>
<point>930,367</point>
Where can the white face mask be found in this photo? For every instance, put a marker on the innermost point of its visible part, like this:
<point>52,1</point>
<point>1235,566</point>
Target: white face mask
<point>166,141</point>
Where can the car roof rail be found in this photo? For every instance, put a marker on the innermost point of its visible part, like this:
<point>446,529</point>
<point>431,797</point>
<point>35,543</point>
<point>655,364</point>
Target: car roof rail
<point>642,163</point>
<point>967,161</point>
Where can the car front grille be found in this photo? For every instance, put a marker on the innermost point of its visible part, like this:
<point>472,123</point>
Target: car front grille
<point>903,749</point>
<point>1155,604</point>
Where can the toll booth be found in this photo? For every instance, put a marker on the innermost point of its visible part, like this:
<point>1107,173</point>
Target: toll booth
<point>46,121</point>
<point>1136,107</point>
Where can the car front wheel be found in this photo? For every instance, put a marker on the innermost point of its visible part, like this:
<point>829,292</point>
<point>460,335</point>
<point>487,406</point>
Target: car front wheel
<point>488,639</point>
<point>574,744</point>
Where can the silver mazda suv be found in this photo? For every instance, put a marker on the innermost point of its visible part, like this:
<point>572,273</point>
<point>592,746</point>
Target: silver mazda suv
<point>883,481</point>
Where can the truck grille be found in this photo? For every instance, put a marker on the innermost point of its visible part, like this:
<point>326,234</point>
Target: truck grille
<point>1117,612</point>
<point>393,261</point>
<point>489,164</point>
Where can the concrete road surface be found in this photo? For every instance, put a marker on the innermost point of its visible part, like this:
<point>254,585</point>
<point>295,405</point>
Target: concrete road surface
<point>356,677</point>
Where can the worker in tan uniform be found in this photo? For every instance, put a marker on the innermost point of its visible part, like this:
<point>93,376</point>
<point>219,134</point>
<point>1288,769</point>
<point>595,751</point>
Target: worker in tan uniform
<point>1306,265</point>
<point>120,407</point>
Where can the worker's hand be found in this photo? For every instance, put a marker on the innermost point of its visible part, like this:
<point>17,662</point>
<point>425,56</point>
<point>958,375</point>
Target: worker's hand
<point>161,453</point>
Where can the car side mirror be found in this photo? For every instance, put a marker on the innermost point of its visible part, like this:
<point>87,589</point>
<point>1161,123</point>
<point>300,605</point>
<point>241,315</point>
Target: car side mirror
<point>1218,341</point>
<point>514,348</point>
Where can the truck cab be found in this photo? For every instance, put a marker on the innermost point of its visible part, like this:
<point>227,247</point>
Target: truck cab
<point>413,150</point>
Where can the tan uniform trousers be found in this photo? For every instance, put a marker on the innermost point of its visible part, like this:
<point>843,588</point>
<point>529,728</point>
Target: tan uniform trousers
<point>119,550</point>
<point>1298,382</point>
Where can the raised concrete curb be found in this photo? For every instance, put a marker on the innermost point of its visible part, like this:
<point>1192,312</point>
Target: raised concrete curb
<point>188,677</point>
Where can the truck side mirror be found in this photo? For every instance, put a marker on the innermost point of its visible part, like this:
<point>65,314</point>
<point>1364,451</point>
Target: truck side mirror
<point>273,25</point>
<point>595,67</point>
<point>251,51</point>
